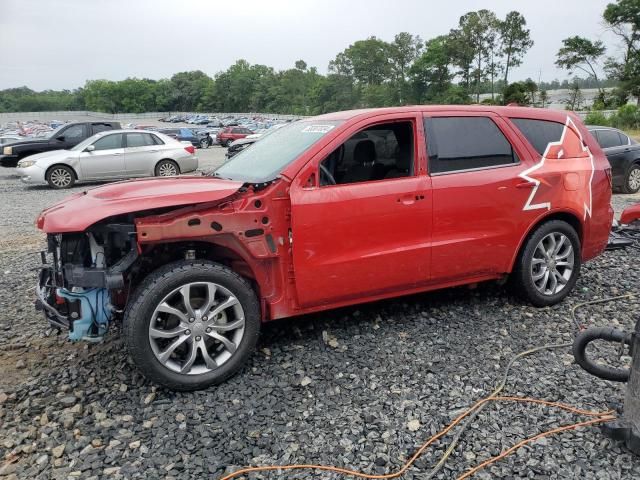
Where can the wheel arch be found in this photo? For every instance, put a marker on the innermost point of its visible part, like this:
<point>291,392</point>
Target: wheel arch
<point>155,167</point>
<point>46,173</point>
<point>228,254</point>
<point>565,216</point>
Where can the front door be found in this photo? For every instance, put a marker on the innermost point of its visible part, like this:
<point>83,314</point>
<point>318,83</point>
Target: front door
<point>361,215</point>
<point>479,198</point>
<point>106,160</point>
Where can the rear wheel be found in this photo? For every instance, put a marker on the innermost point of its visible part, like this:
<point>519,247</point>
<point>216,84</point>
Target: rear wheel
<point>167,168</point>
<point>60,176</point>
<point>549,264</point>
<point>192,324</point>
<point>632,180</point>
<point>204,143</point>
<point>228,142</point>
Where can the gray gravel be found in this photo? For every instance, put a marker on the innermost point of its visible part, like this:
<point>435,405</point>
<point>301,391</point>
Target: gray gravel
<point>359,387</point>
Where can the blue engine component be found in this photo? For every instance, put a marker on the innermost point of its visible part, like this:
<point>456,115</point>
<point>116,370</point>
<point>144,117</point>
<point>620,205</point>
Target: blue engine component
<point>92,317</point>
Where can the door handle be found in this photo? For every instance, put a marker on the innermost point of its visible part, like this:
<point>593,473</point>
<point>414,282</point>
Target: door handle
<point>525,185</point>
<point>409,199</point>
<point>117,154</point>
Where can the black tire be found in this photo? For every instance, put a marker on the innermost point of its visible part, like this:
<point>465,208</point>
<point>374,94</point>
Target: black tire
<point>166,165</point>
<point>204,144</point>
<point>60,176</point>
<point>228,142</point>
<point>154,289</point>
<point>631,180</point>
<point>522,277</point>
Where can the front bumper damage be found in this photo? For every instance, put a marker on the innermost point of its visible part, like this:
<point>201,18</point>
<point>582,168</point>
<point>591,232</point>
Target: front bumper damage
<point>78,298</point>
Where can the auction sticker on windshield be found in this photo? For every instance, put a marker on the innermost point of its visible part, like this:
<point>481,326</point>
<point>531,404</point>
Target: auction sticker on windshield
<point>317,128</point>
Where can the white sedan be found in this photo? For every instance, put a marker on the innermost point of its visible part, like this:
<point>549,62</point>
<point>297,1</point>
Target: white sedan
<point>112,154</point>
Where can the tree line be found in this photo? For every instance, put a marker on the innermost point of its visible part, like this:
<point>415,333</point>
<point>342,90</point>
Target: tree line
<point>476,57</point>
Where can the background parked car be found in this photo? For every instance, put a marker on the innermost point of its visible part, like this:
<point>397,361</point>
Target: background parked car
<point>623,154</point>
<point>239,145</point>
<point>110,155</point>
<point>182,134</point>
<point>65,137</point>
<point>229,134</point>
<point>4,139</point>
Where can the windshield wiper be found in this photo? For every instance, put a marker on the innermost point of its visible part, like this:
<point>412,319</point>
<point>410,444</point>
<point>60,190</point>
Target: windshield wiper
<point>216,174</point>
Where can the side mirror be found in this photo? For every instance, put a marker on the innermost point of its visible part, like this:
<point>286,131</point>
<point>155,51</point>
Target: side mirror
<point>60,138</point>
<point>90,148</point>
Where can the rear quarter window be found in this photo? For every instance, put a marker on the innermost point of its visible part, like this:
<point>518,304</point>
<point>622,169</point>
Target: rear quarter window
<point>539,133</point>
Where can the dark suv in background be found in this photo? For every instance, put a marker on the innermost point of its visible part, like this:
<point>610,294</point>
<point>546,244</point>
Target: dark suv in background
<point>623,154</point>
<point>64,137</point>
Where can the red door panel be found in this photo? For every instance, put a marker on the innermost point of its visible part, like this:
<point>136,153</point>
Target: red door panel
<point>358,239</point>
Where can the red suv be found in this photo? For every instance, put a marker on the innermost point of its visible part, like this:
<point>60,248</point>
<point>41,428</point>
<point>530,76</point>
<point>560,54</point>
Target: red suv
<point>229,134</point>
<point>328,211</point>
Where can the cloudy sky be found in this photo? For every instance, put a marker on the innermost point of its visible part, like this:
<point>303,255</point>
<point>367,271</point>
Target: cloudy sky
<point>62,43</point>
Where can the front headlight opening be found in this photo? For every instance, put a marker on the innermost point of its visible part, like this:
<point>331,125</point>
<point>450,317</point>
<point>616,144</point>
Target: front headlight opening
<point>7,150</point>
<point>26,163</point>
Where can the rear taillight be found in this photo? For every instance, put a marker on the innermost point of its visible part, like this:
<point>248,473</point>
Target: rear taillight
<point>607,172</point>
<point>191,149</point>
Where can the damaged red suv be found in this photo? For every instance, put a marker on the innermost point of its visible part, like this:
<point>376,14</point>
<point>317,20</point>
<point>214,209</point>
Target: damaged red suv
<point>328,211</point>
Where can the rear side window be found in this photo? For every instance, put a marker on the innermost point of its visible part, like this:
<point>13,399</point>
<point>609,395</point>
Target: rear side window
<point>539,133</point>
<point>139,140</point>
<point>608,138</point>
<point>109,142</point>
<point>100,127</point>
<point>465,143</point>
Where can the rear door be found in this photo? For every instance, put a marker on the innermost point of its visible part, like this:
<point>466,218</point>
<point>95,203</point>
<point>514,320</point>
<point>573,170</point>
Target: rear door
<point>141,153</point>
<point>618,151</point>
<point>478,197</point>
<point>106,160</point>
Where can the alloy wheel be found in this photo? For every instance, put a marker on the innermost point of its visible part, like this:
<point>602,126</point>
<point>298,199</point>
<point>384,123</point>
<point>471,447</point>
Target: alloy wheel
<point>60,177</point>
<point>634,179</point>
<point>167,169</point>
<point>196,328</point>
<point>552,263</point>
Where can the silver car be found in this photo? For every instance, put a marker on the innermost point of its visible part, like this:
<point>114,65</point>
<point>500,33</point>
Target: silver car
<point>113,154</point>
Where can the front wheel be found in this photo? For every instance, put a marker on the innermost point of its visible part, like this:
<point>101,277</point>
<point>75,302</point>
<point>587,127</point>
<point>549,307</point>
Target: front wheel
<point>204,144</point>
<point>632,180</point>
<point>549,264</point>
<point>60,176</point>
<point>192,324</point>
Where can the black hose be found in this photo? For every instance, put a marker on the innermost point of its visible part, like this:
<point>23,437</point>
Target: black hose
<point>608,334</point>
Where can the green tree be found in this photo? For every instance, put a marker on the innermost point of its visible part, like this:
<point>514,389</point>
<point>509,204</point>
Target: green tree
<point>430,75</point>
<point>544,98</point>
<point>515,41</point>
<point>404,50</point>
<point>575,98</point>
<point>479,30</point>
<point>623,19</point>
<point>188,88</point>
<point>366,60</point>
<point>581,53</point>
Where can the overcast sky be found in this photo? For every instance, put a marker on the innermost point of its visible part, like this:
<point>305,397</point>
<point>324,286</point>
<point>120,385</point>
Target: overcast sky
<point>47,44</point>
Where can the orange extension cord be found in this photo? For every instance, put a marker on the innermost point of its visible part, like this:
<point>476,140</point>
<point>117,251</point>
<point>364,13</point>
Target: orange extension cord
<point>600,418</point>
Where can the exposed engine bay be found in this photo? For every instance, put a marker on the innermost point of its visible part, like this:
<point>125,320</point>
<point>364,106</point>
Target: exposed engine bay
<point>84,285</point>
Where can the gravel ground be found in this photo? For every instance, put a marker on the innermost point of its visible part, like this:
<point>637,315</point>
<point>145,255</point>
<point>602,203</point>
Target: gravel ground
<point>358,387</point>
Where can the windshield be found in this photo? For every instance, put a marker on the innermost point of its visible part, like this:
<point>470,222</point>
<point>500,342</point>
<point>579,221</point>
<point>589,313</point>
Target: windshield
<point>267,158</point>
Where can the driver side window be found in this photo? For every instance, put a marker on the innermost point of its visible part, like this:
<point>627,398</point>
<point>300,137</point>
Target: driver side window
<point>379,152</point>
<point>75,132</point>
